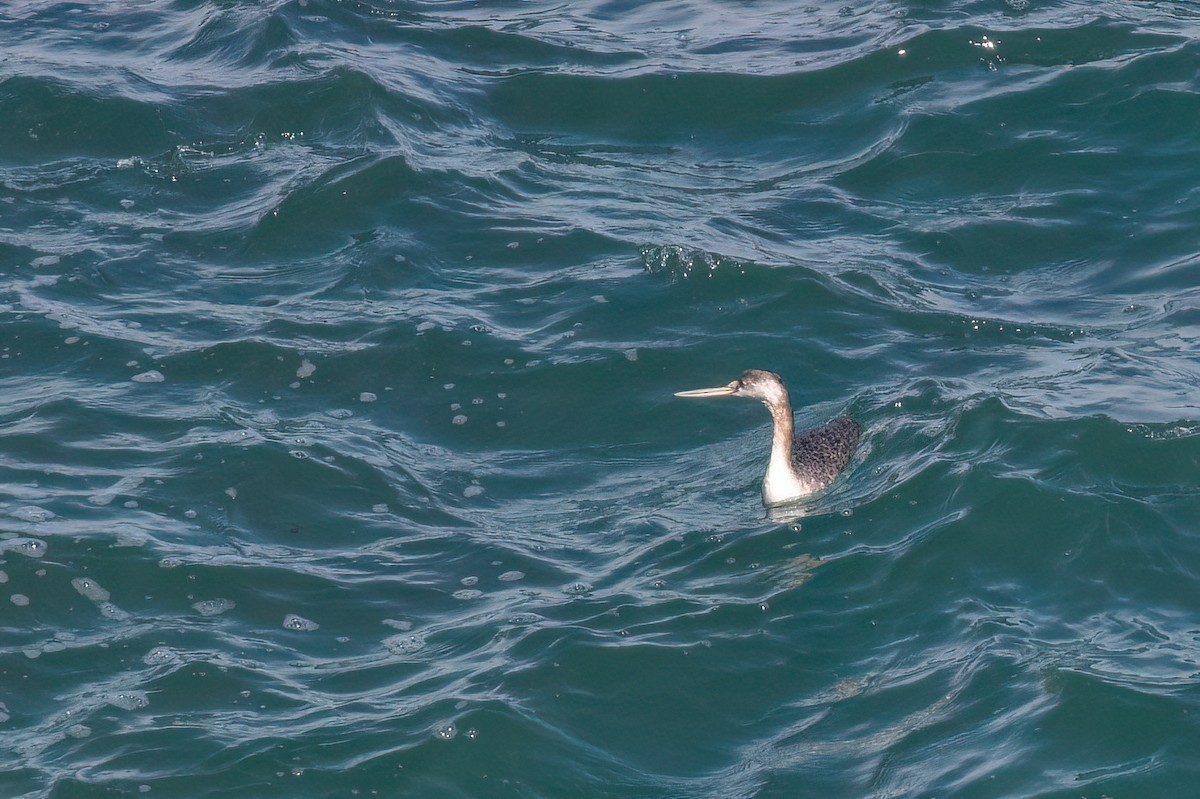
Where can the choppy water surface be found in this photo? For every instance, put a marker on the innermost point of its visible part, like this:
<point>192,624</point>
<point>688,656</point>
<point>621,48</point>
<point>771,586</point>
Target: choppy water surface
<point>338,451</point>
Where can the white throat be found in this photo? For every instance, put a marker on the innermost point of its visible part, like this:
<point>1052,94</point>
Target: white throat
<point>780,484</point>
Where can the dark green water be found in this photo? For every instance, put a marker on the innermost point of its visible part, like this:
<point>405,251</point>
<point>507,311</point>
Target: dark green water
<point>338,451</point>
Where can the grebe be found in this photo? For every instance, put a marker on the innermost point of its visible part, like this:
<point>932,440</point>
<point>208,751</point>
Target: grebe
<point>801,463</point>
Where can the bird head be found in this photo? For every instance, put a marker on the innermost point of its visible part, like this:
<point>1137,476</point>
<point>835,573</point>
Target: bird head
<point>766,387</point>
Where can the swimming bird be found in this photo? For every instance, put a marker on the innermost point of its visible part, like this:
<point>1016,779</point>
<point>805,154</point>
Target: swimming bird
<point>801,463</point>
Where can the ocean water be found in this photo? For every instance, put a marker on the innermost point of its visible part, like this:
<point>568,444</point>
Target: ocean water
<point>339,454</point>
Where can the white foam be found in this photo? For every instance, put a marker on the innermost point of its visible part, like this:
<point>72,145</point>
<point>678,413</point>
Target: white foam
<point>266,417</point>
<point>152,376</point>
<point>306,369</point>
<point>32,513</point>
<point>20,600</point>
<point>512,576</point>
<point>29,547</point>
<point>245,437</point>
<point>128,536</point>
<point>160,656</point>
<point>110,611</point>
<point>299,623</point>
<point>404,644</point>
<point>367,396</point>
<point>122,486</point>
<point>213,607</point>
<point>90,589</point>
<point>128,700</point>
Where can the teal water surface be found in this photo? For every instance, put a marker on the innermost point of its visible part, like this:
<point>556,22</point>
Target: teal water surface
<point>338,451</point>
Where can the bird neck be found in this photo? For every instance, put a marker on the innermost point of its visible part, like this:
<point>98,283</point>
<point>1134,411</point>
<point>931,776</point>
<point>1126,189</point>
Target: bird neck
<point>782,483</point>
<point>783,431</point>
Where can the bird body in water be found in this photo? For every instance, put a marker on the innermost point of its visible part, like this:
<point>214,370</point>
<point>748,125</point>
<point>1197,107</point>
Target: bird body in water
<point>801,463</point>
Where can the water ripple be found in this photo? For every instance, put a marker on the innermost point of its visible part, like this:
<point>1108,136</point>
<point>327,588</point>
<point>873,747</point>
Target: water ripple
<point>339,446</point>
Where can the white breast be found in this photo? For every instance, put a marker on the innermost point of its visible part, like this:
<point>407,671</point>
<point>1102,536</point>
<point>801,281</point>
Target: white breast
<point>780,484</point>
